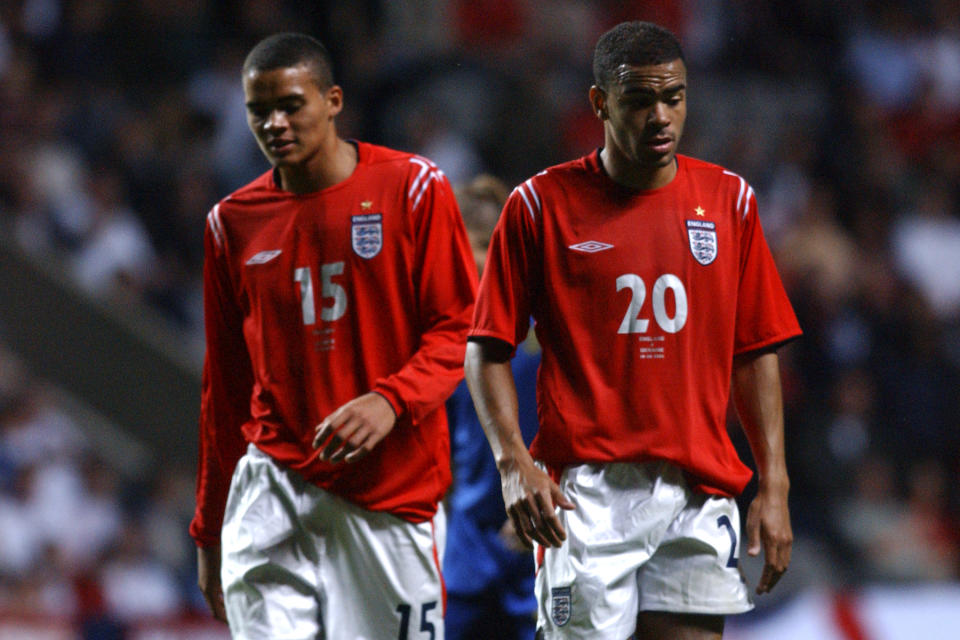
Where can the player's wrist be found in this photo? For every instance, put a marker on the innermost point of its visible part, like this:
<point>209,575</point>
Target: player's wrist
<point>512,458</point>
<point>773,484</point>
<point>390,401</point>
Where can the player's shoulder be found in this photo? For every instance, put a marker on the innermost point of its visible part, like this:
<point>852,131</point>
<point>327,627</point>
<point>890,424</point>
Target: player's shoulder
<point>730,187</point>
<point>704,171</point>
<point>244,204</point>
<point>375,154</point>
<point>259,190</point>
<point>556,178</point>
<point>586,166</point>
<point>416,177</point>
<point>387,158</point>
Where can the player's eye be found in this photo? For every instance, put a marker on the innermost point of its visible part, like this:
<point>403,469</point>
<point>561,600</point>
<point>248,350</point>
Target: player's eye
<point>637,102</point>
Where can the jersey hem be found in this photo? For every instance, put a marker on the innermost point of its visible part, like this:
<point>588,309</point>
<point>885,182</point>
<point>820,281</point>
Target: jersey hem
<point>722,610</point>
<point>697,483</point>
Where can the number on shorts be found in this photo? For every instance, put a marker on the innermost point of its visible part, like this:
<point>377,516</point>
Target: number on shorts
<point>724,521</point>
<point>425,625</point>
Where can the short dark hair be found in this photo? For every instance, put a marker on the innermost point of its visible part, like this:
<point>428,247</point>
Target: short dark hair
<point>289,50</point>
<point>640,43</point>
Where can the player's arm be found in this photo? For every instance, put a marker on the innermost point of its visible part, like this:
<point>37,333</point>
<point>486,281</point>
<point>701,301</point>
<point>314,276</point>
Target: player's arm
<point>224,407</point>
<point>759,403</point>
<point>530,496</point>
<point>208,579</point>
<point>446,276</point>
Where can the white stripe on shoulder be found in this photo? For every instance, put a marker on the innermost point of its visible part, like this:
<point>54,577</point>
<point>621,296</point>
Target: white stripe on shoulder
<point>428,173</point>
<point>744,188</point>
<point>533,192</point>
<point>527,200</point>
<point>216,225</point>
<point>425,167</point>
<point>434,175</point>
<point>423,171</point>
<point>746,205</point>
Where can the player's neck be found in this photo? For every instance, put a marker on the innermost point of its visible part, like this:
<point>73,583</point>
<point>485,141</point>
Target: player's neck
<point>324,169</point>
<point>637,177</point>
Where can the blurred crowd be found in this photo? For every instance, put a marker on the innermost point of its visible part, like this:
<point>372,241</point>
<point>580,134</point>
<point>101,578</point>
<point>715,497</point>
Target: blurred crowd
<point>84,540</point>
<point>122,123</point>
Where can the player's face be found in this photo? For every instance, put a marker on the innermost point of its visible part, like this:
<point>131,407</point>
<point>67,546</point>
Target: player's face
<point>290,115</point>
<point>480,244</point>
<point>644,109</point>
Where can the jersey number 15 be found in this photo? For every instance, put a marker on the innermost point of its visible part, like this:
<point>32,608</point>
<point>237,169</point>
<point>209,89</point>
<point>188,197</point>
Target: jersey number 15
<point>328,290</point>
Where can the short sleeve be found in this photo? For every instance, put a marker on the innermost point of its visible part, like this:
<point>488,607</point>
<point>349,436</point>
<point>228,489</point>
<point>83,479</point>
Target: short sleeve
<point>765,316</point>
<point>509,276</point>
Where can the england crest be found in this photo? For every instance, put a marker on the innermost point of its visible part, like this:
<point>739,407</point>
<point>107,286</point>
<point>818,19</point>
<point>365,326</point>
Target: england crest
<point>703,240</point>
<point>366,234</point>
<point>560,605</point>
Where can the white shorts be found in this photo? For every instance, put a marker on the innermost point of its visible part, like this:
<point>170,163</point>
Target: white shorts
<point>302,564</point>
<point>638,540</point>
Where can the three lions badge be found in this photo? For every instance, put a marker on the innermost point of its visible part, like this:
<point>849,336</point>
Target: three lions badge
<point>366,234</point>
<point>703,240</point>
<point>560,605</point>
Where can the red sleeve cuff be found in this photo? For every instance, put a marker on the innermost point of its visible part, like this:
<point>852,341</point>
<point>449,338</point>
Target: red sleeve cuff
<point>394,400</point>
<point>204,540</point>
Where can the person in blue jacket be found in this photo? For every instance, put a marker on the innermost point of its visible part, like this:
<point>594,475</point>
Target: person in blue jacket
<point>488,573</point>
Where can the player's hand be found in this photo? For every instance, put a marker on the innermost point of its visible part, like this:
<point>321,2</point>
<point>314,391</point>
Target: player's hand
<point>352,431</point>
<point>208,579</point>
<point>508,536</point>
<point>768,528</point>
<point>531,498</point>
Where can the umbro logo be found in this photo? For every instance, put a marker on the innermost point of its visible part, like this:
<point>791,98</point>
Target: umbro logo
<point>264,256</point>
<point>591,246</point>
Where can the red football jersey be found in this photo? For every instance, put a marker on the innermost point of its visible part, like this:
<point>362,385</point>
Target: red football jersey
<point>641,299</point>
<point>313,300</point>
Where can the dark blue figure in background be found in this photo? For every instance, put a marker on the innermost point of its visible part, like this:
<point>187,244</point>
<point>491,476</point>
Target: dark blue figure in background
<point>488,573</point>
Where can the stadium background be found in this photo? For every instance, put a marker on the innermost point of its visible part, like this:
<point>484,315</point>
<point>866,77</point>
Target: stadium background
<point>121,123</point>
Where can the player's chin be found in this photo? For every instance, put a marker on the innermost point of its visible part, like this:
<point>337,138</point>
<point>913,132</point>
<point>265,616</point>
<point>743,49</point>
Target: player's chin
<point>645,156</point>
<point>282,160</point>
<point>661,157</point>
<point>285,156</point>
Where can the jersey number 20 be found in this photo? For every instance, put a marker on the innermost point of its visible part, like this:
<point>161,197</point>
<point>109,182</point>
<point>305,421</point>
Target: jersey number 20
<point>633,323</point>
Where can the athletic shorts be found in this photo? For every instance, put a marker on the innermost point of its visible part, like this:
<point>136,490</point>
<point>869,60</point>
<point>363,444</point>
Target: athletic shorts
<point>299,563</point>
<point>638,540</point>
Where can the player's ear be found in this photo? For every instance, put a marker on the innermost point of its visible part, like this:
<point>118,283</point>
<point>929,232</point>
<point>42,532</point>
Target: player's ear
<point>334,97</point>
<point>598,101</point>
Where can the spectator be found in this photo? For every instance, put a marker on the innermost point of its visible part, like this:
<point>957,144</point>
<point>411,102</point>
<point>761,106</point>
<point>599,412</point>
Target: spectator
<point>135,584</point>
<point>487,570</point>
